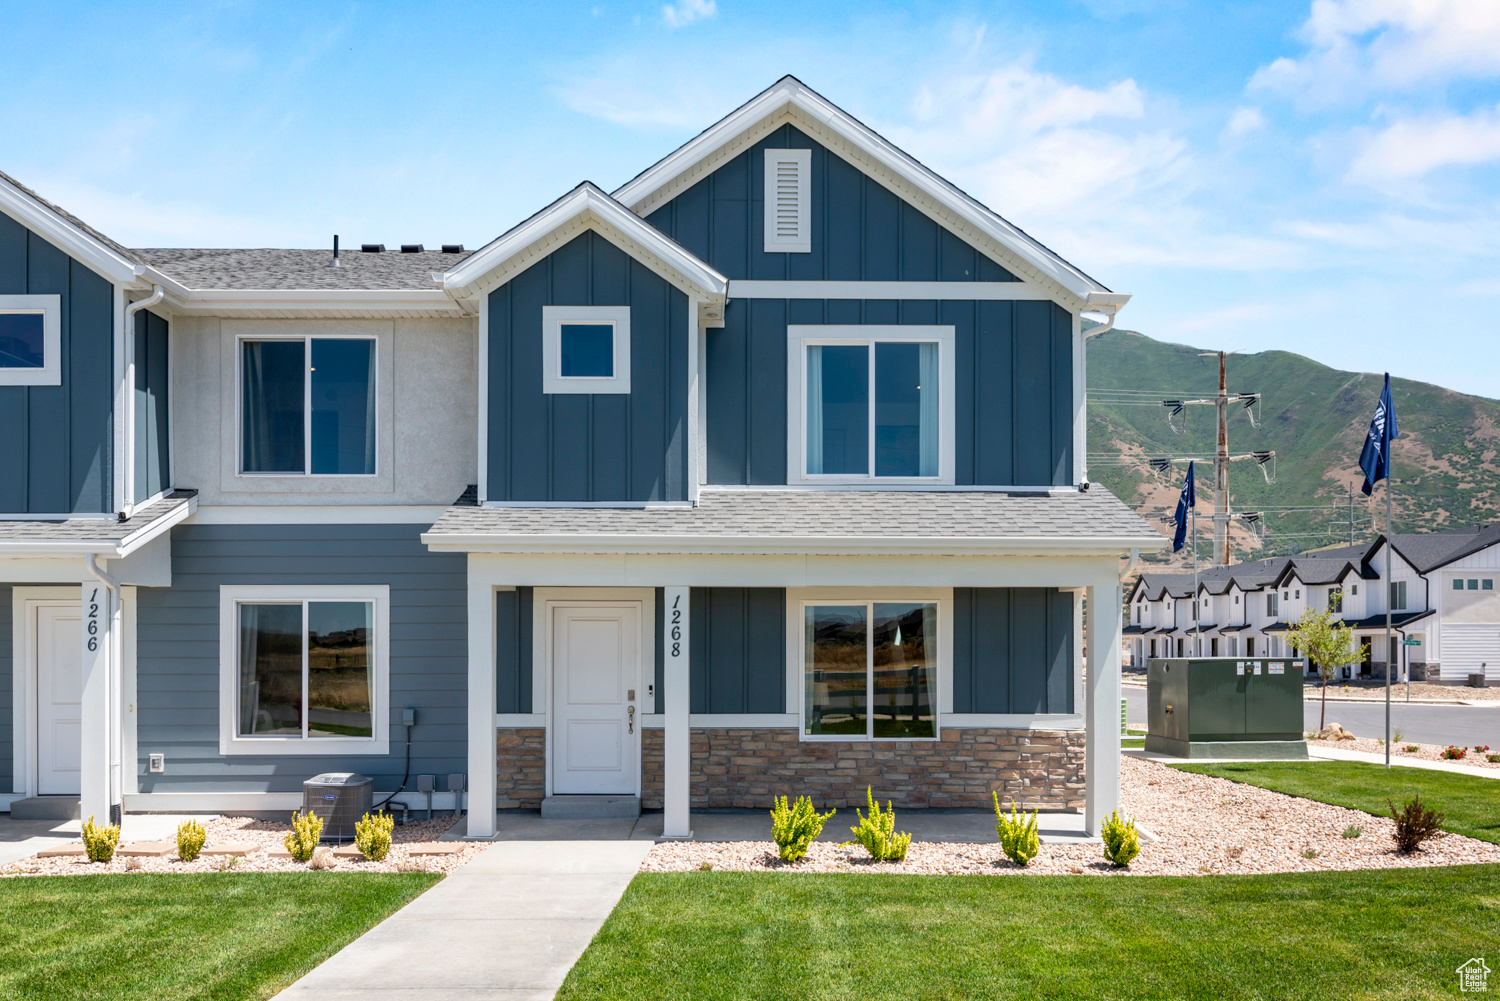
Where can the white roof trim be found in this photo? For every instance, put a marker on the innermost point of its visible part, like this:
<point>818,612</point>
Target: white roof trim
<point>46,223</point>
<point>585,207</point>
<point>297,302</point>
<point>111,549</point>
<point>791,100</point>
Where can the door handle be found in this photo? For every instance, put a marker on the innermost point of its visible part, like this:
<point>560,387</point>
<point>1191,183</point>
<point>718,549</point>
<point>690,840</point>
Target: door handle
<point>630,714</point>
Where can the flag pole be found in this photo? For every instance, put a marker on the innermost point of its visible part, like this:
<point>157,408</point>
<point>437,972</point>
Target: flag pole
<point>1389,666</point>
<point>1197,622</point>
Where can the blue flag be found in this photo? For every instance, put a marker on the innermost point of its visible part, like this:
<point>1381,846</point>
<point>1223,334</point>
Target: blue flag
<point>1185,502</point>
<point>1375,459</point>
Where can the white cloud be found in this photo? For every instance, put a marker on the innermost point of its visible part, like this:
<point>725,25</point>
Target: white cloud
<point>1413,147</point>
<point>686,12</point>
<point>1244,121</point>
<point>1357,48</point>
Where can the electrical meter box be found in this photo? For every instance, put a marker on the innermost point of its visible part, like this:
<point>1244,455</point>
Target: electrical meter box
<point>1225,707</point>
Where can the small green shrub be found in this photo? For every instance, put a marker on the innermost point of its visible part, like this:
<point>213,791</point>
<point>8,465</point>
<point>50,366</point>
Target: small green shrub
<point>1018,837</point>
<point>1396,735</point>
<point>877,832</point>
<point>1413,748</point>
<point>190,838</point>
<point>1453,753</point>
<point>796,827</point>
<point>302,840</point>
<point>1121,842</point>
<point>1492,758</point>
<point>1311,853</point>
<point>1414,824</point>
<point>99,843</point>
<point>1353,831</point>
<point>372,835</point>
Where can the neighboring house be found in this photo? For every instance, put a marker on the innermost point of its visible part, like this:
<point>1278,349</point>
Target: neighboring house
<point>763,474</point>
<point>1445,608</point>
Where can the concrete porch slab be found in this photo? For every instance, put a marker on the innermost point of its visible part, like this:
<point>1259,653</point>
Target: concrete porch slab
<point>591,807</point>
<point>45,808</point>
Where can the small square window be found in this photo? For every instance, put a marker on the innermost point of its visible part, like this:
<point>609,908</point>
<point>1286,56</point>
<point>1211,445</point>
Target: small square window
<point>585,349</point>
<point>1488,584</point>
<point>1473,584</point>
<point>30,340</point>
<point>1458,584</point>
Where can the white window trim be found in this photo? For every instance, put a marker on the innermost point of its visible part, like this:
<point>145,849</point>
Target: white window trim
<point>230,741</point>
<point>802,243</point>
<point>799,336</point>
<point>553,318</point>
<point>50,374</point>
<point>239,404</point>
<point>797,600</point>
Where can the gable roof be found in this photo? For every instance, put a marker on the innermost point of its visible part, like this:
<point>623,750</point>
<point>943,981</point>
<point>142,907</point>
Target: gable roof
<point>1435,549</point>
<point>789,99</point>
<point>72,234</point>
<point>585,207</point>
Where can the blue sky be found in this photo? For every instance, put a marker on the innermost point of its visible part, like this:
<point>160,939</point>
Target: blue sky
<point>1322,177</point>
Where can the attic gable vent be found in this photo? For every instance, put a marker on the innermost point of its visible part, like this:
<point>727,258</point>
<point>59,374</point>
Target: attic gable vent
<point>788,200</point>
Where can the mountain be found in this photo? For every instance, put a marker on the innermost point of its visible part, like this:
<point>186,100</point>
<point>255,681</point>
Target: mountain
<point>1447,460</point>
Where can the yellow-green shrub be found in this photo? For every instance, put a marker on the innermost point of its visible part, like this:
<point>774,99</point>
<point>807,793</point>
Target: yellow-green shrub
<point>372,835</point>
<point>302,840</point>
<point>100,842</point>
<point>795,828</point>
<point>877,832</point>
<point>1121,842</point>
<point>190,838</point>
<point>1018,837</point>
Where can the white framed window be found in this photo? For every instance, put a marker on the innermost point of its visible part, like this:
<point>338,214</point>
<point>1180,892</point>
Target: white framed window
<point>304,669</point>
<point>585,349</point>
<point>306,405</point>
<point>30,340</point>
<point>1272,605</point>
<point>870,665</point>
<point>788,197</point>
<point>870,404</point>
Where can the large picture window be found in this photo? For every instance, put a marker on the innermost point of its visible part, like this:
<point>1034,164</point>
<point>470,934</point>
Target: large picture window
<point>304,670</point>
<point>307,406</point>
<point>870,670</point>
<point>870,404</point>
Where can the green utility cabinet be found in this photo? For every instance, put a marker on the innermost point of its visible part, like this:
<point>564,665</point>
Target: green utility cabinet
<point>1225,707</point>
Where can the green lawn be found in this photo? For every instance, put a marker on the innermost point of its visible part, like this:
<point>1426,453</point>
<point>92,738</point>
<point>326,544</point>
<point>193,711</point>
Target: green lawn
<point>1471,803</point>
<point>1378,934</point>
<point>220,936</point>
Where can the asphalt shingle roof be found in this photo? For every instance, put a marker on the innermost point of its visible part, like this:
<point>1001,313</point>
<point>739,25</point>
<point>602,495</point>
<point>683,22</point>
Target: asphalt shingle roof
<point>298,269</point>
<point>71,219</point>
<point>1432,550</point>
<point>823,514</point>
<point>105,531</point>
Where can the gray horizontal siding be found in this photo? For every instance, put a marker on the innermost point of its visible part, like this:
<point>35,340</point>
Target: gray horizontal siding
<point>1013,402</point>
<point>738,650</point>
<point>1013,650</point>
<point>7,693</point>
<point>150,402</point>
<point>177,654</point>
<point>861,231</point>
<point>55,452</point>
<point>587,447</point>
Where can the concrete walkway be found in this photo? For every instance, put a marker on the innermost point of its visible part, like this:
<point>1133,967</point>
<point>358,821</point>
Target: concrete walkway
<point>506,927</point>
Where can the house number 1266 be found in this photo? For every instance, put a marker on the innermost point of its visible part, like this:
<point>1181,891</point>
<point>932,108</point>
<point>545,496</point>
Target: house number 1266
<point>93,627</point>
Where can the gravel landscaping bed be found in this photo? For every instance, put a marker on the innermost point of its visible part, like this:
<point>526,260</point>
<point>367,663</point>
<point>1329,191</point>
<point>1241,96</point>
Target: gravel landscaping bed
<point>411,845</point>
<point>1426,752</point>
<point>1206,825</point>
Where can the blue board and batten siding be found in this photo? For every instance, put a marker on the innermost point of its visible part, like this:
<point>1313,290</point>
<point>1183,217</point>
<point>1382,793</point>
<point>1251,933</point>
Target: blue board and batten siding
<point>1012,650</point>
<point>1014,358</point>
<point>55,452</point>
<point>177,654</point>
<point>588,447</point>
<point>149,399</point>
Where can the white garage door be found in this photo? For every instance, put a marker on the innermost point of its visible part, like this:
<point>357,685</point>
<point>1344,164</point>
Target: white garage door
<point>1467,646</point>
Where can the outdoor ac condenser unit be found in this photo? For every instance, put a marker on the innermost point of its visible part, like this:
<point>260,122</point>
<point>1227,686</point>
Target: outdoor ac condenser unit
<point>340,798</point>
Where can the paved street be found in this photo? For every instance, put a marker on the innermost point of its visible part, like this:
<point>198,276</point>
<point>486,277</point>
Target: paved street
<point>1423,723</point>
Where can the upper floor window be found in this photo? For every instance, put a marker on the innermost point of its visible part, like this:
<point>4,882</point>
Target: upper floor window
<point>870,404</point>
<point>1335,599</point>
<point>30,340</point>
<point>1398,595</point>
<point>585,349</point>
<point>1272,604</point>
<point>307,406</point>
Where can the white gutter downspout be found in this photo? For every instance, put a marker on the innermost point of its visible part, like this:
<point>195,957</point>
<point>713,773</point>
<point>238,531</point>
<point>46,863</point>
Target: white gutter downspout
<point>127,503</point>
<point>111,698</point>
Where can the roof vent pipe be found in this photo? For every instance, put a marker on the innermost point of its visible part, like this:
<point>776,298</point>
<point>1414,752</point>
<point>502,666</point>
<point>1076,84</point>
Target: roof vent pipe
<point>335,262</point>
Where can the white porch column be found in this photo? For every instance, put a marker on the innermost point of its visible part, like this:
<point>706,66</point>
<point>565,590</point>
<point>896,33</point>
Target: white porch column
<point>482,766</point>
<point>677,739</point>
<point>97,719</point>
<point>1102,710</point>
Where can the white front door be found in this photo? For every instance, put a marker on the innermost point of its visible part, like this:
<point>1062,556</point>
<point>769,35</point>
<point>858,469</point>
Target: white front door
<point>596,728</point>
<point>57,652</point>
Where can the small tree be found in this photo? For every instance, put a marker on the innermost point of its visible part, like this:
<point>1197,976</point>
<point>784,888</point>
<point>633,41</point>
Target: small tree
<point>1327,644</point>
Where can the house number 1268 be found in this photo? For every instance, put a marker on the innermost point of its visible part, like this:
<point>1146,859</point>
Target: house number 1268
<point>676,626</point>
